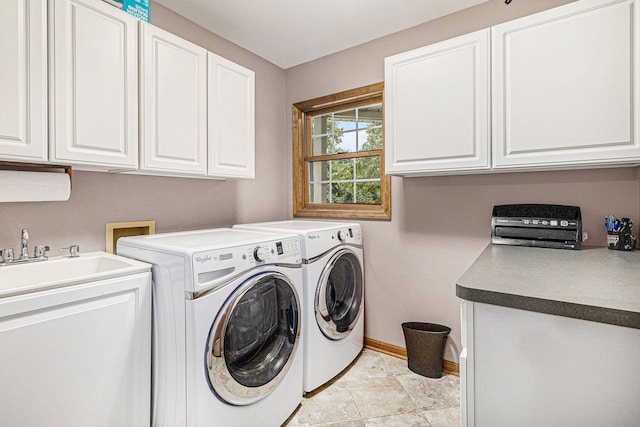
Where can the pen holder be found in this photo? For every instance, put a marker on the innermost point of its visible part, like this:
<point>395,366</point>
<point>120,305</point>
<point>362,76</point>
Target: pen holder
<point>621,241</point>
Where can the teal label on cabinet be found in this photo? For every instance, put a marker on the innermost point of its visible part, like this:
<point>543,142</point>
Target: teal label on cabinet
<point>137,8</point>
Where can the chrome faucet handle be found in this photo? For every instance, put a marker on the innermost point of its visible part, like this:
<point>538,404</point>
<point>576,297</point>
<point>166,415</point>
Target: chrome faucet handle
<point>8,255</point>
<point>24,244</point>
<point>40,251</point>
<point>74,251</point>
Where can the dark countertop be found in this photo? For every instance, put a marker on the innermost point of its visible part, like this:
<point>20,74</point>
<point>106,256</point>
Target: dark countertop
<point>594,284</point>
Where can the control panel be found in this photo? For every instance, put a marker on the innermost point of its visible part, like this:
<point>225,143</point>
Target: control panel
<point>536,222</point>
<point>215,266</point>
<point>320,241</point>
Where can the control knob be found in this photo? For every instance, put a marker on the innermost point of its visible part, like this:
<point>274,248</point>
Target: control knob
<point>342,236</point>
<point>260,253</point>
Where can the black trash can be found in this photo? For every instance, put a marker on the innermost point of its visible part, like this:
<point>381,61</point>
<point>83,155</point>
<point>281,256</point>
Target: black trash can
<point>425,347</point>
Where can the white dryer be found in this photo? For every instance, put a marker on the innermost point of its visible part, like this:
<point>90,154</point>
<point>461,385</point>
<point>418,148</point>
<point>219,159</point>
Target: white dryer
<point>226,342</point>
<point>333,295</point>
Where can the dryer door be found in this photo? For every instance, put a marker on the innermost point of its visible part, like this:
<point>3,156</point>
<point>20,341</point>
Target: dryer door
<point>254,339</point>
<point>339,295</point>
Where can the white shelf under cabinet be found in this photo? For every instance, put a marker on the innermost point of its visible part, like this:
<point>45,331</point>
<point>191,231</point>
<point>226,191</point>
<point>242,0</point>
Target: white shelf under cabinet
<point>23,80</point>
<point>94,85</point>
<point>565,87</point>
<point>437,107</point>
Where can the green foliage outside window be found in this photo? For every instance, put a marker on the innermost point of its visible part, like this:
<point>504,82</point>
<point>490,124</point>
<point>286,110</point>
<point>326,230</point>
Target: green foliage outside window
<point>350,180</point>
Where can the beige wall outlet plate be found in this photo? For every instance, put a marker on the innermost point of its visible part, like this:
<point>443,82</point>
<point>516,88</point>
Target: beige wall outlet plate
<point>116,230</point>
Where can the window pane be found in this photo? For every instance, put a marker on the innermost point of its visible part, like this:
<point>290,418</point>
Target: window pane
<point>319,192</point>
<point>369,116</point>
<point>345,120</point>
<point>368,192</point>
<point>321,145</point>
<point>347,142</point>
<point>342,170</point>
<point>331,170</point>
<point>342,192</point>
<point>370,139</point>
<point>331,144</point>
<point>368,167</point>
<point>348,131</point>
<point>324,139</point>
<point>321,125</point>
<point>319,171</point>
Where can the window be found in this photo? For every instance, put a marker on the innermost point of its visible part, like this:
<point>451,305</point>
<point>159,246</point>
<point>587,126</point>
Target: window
<point>338,156</point>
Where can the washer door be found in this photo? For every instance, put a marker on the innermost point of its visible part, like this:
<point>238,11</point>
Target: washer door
<point>339,295</point>
<point>254,339</point>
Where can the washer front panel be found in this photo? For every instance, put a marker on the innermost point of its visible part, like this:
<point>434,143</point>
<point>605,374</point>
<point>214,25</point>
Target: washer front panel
<point>253,340</point>
<point>339,295</point>
<point>214,268</point>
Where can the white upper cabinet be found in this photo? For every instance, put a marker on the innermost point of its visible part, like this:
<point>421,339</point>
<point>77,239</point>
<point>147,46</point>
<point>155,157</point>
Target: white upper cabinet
<point>231,119</point>
<point>23,80</point>
<point>80,78</point>
<point>173,104</point>
<point>94,90</point>
<point>564,94</point>
<point>565,88</point>
<point>437,107</point>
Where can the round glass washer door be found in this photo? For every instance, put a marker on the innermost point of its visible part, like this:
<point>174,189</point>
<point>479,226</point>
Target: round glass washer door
<point>339,294</point>
<point>254,339</point>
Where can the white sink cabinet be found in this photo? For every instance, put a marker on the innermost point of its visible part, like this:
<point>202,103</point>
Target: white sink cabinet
<point>23,80</point>
<point>94,85</point>
<point>76,343</point>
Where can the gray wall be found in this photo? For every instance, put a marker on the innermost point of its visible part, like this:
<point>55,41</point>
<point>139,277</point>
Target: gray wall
<point>440,225</point>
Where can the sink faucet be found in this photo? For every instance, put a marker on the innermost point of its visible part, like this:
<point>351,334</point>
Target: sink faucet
<point>7,256</point>
<point>24,252</point>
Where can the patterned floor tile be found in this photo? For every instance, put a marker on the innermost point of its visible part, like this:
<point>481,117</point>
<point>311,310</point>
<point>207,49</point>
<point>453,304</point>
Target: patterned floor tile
<point>379,397</point>
<point>378,390</point>
<point>449,417</point>
<point>414,419</point>
<point>432,393</point>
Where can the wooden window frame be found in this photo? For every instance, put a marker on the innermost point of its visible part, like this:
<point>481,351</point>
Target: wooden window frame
<point>301,113</point>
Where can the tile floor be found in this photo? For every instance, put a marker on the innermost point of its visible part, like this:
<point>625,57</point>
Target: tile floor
<point>378,390</point>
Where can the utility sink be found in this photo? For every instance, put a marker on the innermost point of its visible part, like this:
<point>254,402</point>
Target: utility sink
<point>64,271</point>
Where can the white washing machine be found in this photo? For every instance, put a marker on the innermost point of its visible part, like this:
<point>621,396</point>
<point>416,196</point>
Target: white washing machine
<point>227,326</point>
<point>333,295</point>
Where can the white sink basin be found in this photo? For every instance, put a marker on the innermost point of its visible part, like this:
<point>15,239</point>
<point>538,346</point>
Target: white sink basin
<point>64,271</point>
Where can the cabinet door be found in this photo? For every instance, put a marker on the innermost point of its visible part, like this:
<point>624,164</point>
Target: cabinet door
<point>437,107</point>
<point>231,119</point>
<point>174,104</point>
<point>95,85</point>
<point>79,355</point>
<point>563,86</point>
<point>23,80</point>
<point>534,369</point>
